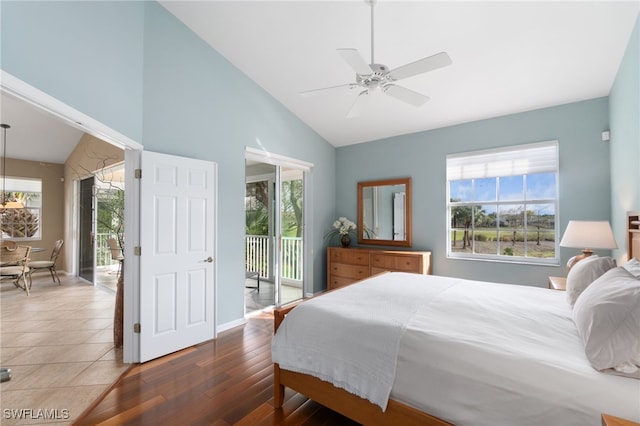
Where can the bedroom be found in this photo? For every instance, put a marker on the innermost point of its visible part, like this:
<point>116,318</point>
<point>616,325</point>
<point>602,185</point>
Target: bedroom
<point>151,67</point>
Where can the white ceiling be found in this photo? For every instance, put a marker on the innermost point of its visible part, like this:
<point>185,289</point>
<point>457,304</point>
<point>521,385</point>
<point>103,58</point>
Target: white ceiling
<point>507,56</point>
<point>35,134</point>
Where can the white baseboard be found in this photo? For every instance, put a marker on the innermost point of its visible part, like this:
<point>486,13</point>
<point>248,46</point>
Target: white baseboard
<point>232,324</point>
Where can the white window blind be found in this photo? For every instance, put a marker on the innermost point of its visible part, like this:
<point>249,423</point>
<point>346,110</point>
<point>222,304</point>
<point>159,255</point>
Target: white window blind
<point>527,159</point>
<point>23,185</point>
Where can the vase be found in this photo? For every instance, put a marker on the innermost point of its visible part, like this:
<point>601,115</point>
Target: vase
<point>345,240</point>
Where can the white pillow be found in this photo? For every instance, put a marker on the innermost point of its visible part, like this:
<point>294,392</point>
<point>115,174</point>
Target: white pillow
<point>607,317</point>
<point>633,266</point>
<point>584,273</point>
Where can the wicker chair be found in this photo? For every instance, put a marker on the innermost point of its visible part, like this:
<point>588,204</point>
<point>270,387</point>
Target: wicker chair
<point>15,265</point>
<point>47,264</point>
<point>116,252</point>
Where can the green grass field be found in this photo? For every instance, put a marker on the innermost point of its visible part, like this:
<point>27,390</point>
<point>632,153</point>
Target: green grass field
<point>487,242</point>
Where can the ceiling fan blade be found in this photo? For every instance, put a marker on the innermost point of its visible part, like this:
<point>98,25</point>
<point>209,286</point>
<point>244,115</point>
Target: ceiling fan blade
<point>420,66</point>
<point>355,61</point>
<point>309,93</point>
<point>405,95</point>
<point>360,104</point>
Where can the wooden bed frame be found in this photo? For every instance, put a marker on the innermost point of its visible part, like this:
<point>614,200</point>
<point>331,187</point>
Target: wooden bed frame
<point>361,410</point>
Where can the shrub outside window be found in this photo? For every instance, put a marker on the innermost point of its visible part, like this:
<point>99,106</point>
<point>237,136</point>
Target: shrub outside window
<point>502,204</point>
<point>20,220</point>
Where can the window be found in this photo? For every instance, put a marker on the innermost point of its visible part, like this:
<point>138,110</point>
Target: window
<point>502,204</point>
<point>20,220</point>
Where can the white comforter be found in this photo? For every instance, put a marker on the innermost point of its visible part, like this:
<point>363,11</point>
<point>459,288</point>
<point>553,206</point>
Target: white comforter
<point>351,337</point>
<point>471,353</point>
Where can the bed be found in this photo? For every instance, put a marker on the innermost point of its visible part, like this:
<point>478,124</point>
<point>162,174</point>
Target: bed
<point>406,349</point>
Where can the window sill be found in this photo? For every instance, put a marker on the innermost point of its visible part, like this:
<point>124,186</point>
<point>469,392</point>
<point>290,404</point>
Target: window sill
<point>504,259</point>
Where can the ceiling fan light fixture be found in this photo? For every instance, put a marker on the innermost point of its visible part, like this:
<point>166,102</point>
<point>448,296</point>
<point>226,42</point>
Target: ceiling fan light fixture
<point>374,76</point>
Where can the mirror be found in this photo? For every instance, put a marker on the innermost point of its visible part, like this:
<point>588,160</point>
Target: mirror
<point>384,208</point>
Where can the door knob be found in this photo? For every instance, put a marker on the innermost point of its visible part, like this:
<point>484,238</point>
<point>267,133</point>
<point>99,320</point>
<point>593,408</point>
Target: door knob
<point>209,259</point>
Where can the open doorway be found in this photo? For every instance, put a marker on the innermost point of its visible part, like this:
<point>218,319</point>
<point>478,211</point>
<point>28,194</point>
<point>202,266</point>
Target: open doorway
<point>274,235</point>
<point>71,301</point>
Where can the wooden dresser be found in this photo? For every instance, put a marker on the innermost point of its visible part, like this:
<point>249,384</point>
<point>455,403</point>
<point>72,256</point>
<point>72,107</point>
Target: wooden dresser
<point>348,265</point>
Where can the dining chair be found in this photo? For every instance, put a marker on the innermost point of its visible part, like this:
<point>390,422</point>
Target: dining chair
<point>15,265</point>
<point>116,252</point>
<point>47,264</point>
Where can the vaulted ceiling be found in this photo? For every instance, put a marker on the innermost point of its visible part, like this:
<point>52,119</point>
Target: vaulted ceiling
<point>507,57</point>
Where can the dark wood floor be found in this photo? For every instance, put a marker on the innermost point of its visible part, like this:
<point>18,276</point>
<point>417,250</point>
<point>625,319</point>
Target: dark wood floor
<point>228,381</point>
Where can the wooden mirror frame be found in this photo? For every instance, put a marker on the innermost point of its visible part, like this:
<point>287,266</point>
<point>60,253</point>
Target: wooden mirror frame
<point>387,182</point>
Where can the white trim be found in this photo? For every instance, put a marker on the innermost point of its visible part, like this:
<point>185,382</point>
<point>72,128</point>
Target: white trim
<point>131,266</point>
<point>307,282</point>
<point>23,91</point>
<point>264,156</point>
<point>275,159</point>
<point>229,325</point>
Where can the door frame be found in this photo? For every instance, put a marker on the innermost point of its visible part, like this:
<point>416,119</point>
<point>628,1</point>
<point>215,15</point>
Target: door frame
<point>17,88</point>
<point>264,156</point>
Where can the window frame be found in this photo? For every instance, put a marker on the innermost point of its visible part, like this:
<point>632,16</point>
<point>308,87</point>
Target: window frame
<point>527,204</point>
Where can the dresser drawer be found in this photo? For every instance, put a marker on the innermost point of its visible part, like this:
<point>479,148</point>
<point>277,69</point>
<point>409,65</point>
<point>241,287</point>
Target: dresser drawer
<point>335,282</point>
<point>395,263</point>
<point>347,265</point>
<point>350,256</point>
<point>355,272</point>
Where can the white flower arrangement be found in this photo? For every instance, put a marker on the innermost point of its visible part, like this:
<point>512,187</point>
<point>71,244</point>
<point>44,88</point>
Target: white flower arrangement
<point>341,227</point>
<point>344,226</point>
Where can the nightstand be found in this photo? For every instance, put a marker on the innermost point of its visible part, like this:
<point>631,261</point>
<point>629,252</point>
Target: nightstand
<point>608,420</point>
<point>558,283</point>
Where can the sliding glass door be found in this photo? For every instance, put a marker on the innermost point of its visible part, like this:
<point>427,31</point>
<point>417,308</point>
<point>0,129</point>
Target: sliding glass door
<point>291,236</point>
<point>274,236</point>
<point>86,259</point>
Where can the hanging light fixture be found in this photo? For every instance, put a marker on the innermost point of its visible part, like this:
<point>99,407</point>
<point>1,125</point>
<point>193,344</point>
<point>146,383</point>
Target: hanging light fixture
<point>6,203</point>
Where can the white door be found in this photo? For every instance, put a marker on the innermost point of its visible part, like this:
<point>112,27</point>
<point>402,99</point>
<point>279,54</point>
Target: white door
<point>177,234</point>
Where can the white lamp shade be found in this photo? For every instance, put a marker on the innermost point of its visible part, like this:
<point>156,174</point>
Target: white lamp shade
<point>589,235</point>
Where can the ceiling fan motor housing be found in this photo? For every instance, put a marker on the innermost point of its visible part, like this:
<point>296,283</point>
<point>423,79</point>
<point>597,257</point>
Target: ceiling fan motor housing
<point>378,78</point>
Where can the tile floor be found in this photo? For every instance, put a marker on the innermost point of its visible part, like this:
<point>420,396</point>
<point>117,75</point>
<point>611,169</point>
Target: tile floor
<point>58,343</point>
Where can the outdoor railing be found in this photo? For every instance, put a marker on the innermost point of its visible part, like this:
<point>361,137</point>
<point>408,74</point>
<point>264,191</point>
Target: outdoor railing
<point>258,256</point>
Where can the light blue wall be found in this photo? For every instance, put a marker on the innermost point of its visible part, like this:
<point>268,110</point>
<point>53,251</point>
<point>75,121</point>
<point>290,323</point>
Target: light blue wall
<point>137,69</point>
<point>86,54</point>
<point>197,104</point>
<point>584,177</point>
<point>624,112</point>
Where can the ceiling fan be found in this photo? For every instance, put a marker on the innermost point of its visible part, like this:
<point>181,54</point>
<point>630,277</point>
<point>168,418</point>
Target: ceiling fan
<point>372,77</point>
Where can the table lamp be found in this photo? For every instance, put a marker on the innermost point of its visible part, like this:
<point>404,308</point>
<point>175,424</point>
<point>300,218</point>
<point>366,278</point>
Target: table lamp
<point>587,235</point>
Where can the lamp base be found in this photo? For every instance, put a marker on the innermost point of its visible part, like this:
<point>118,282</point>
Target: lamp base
<point>575,259</point>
